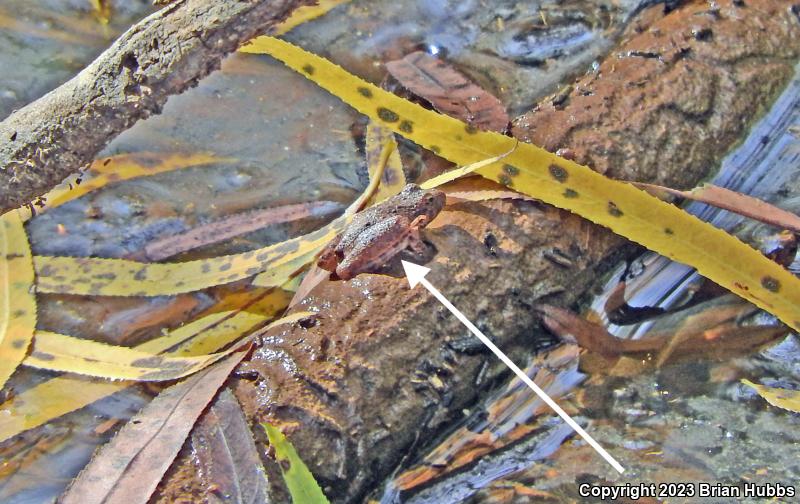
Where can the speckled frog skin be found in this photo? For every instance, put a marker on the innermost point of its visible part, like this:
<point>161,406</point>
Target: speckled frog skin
<point>379,233</point>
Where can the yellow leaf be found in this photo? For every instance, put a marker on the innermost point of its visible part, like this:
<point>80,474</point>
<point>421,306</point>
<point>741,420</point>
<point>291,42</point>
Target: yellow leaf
<point>116,168</point>
<point>58,352</point>
<point>306,13</point>
<point>383,162</point>
<point>532,170</point>
<point>782,398</point>
<point>17,300</point>
<point>64,394</point>
<point>121,277</point>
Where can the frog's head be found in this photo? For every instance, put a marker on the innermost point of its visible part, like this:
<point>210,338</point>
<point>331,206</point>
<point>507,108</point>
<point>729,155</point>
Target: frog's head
<point>431,203</point>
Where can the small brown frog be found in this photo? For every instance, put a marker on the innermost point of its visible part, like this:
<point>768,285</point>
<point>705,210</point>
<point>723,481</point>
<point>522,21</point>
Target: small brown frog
<point>379,233</point>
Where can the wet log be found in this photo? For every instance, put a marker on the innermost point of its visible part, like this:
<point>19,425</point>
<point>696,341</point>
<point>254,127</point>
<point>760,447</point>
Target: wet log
<point>383,369</point>
<point>163,55</point>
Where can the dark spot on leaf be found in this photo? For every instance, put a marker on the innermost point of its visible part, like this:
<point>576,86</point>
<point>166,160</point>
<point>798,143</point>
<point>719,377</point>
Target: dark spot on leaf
<point>263,256</point>
<point>19,343</point>
<point>470,129</point>
<point>225,267</point>
<point>669,231</point>
<point>253,271</point>
<point>43,356</point>
<point>511,170</point>
<point>614,210</point>
<point>141,274</point>
<point>570,193</point>
<point>771,284</point>
<point>435,149</point>
<point>365,92</point>
<point>105,276</point>
<point>285,465</point>
<point>18,314</point>
<point>308,69</point>
<point>558,172</point>
<point>406,127</point>
<point>505,180</point>
<point>387,115</point>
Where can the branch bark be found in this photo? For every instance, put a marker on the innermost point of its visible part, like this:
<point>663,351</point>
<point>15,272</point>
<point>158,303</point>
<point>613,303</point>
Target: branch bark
<point>162,55</point>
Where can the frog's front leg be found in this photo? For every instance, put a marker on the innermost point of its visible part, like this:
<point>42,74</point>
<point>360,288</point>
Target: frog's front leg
<point>375,247</point>
<point>416,245</point>
<point>328,258</point>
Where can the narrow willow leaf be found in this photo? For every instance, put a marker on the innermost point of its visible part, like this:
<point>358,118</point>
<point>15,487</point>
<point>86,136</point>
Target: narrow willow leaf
<point>121,277</point>
<point>383,162</point>
<point>117,168</point>
<point>64,394</point>
<point>782,398</point>
<point>17,300</point>
<point>306,13</point>
<point>58,352</point>
<point>301,483</point>
<point>532,170</point>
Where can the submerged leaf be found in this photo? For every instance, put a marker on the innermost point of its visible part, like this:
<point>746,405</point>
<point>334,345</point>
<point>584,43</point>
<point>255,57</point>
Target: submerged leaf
<point>129,467</point>
<point>117,168</point>
<point>17,300</point>
<point>449,91</point>
<point>234,225</point>
<point>782,398</point>
<point>301,483</point>
<point>306,13</point>
<point>619,206</point>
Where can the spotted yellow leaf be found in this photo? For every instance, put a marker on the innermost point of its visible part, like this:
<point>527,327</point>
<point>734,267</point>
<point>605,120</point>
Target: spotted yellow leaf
<point>17,300</point>
<point>121,277</point>
<point>532,170</point>
<point>58,352</point>
<point>782,398</point>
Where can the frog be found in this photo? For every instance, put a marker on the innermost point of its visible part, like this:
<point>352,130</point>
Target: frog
<point>380,233</point>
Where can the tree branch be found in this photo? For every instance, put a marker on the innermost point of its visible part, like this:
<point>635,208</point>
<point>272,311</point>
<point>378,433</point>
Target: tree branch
<point>162,55</point>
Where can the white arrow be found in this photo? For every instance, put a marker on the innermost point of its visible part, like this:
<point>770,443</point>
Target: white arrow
<point>416,275</point>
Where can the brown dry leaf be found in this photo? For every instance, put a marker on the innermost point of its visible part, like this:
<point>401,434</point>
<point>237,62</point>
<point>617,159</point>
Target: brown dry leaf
<point>234,225</point>
<point>227,454</point>
<point>449,91</point>
<point>128,468</point>
<point>733,201</point>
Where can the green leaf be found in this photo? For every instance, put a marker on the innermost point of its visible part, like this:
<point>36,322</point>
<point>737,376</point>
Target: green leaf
<point>301,483</point>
